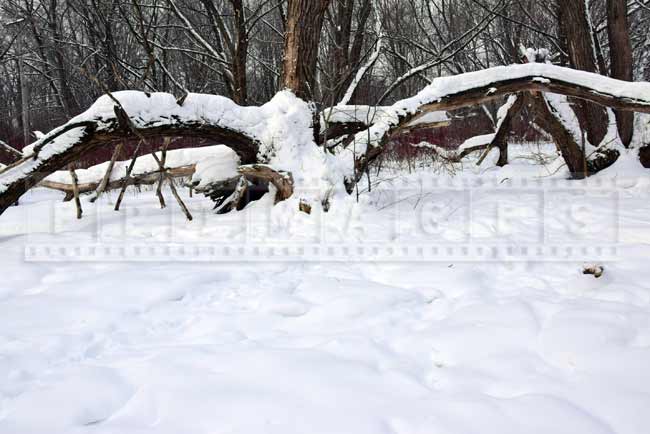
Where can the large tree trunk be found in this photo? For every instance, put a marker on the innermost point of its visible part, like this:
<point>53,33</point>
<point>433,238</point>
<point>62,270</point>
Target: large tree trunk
<point>301,41</point>
<point>240,55</point>
<point>620,54</point>
<point>576,26</point>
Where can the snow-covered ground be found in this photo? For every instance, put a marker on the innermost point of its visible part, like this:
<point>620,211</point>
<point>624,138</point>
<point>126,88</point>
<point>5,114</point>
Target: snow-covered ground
<point>434,305</point>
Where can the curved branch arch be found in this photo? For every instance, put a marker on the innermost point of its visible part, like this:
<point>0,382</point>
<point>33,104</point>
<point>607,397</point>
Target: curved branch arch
<point>221,119</point>
<point>94,135</point>
<point>475,88</point>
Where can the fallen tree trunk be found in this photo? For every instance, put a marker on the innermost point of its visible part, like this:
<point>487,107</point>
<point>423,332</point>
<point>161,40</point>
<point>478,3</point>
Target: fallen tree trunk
<point>475,88</point>
<point>254,134</point>
<point>178,163</point>
<point>282,181</point>
<point>252,182</point>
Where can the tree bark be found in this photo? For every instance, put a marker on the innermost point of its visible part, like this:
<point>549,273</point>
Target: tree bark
<point>8,154</point>
<point>301,41</point>
<point>108,135</point>
<point>347,52</point>
<point>576,26</point>
<point>620,54</point>
<point>240,55</point>
<point>150,178</point>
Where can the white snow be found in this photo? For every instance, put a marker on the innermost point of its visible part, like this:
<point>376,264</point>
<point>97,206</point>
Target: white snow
<point>481,140</point>
<point>222,164</point>
<point>431,118</point>
<point>452,345</point>
<point>145,164</point>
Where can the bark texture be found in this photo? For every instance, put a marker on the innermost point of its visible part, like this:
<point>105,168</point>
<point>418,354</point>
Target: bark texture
<point>8,154</point>
<point>576,26</point>
<point>620,55</point>
<point>150,178</point>
<point>301,41</point>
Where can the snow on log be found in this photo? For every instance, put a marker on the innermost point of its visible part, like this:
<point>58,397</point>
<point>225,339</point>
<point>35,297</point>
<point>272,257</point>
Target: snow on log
<point>343,120</point>
<point>178,162</point>
<point>475,88</point>
<point>271,133</point>
<point>473,144</point>
<point>145,164</point>
<point>431,119</point>
<point>281,134</point>
<point>220,164</point>
<point>210,169</point>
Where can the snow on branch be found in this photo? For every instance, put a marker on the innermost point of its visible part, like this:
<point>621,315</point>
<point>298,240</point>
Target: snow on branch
<point>281,134</point>
<point>179,163</point>
<point>475,88</point>
<point>273,133</point>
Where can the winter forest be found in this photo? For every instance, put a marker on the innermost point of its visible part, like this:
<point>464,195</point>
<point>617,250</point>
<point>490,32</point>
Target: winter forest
<point>317,216</point>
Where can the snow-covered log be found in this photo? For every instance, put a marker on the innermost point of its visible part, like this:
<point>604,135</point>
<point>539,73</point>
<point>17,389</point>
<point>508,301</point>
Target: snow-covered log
<point>474,144</point>
<point>281,132</point>
<point>256,134</point>
<point>179,163</point>
<point>344,120</point>
<point>475,88</point>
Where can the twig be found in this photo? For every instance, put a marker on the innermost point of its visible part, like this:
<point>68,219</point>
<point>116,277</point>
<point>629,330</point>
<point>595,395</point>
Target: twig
<point>75,190</point>
<point>107,175</point>
<point>179,200</point>
<point>162,171</point>
<point>127,177</point>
